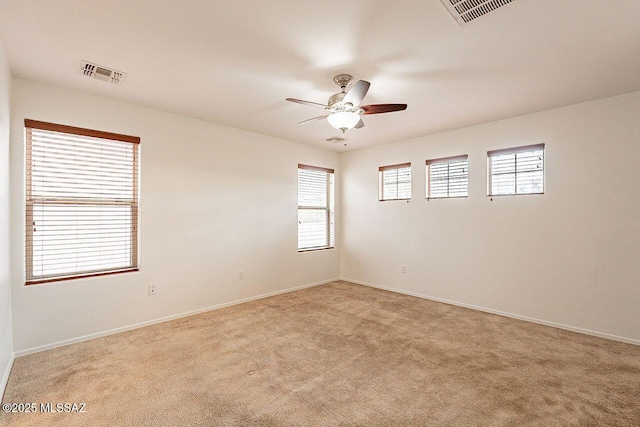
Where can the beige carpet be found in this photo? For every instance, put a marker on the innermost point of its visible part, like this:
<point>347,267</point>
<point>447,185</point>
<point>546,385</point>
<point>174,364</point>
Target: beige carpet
<point>337,354</point>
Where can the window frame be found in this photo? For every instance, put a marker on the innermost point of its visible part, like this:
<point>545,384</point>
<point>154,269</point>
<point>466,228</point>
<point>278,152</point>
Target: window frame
<point>32,201</point>
<point>381,171</point>
<point>329,209</point>
<point>447,161</point>
<point>516,151</point>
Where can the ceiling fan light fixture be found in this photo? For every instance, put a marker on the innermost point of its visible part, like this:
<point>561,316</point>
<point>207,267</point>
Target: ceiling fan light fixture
<point>343,120</point>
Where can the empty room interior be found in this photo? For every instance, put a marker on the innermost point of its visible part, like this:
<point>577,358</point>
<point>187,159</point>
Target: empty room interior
<point>292,213</point>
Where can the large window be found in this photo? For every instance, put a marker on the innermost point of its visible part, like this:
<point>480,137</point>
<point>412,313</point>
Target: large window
<point>516,171</point>
<point>81,202</point>
<point>394,182</point>
<point>448,178</point>
<point>316,208</point>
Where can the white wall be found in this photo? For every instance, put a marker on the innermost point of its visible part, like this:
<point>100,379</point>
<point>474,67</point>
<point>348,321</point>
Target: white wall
<point>214,200</point>
<point>6,346</point>
<point>570,256</point>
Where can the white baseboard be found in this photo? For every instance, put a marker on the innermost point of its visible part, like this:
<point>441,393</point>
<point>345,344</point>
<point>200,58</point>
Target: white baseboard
<point>162,320</point>
<point>501,313</point>
<point>5,376</point>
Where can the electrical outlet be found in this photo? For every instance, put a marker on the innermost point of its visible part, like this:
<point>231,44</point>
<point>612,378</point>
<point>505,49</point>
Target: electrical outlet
<point>152,289</point>
<point>403,269</point>
<point>240,274</point>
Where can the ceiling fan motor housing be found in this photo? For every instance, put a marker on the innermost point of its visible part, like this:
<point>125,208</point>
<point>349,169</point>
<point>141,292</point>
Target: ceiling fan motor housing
<point>335,100</point>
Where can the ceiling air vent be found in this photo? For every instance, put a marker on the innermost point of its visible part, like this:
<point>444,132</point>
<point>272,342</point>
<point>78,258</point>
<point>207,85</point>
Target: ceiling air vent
<point>102,73</point>
<point>465,11</point>
<point>335,139</point>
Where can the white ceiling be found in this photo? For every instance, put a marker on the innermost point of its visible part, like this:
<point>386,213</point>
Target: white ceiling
<point>234,62</point>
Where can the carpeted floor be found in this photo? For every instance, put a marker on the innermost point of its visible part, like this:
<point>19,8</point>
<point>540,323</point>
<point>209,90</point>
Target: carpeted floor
<point>336,354</point>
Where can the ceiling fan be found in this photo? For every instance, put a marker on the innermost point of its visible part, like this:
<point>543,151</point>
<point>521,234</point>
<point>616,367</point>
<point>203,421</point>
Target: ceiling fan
<point>344,109</point>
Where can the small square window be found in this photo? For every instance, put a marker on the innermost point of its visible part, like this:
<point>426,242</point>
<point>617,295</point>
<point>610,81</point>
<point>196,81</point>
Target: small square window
<point>394,182</point>
<point>448,178</point>
<point>516,171</point>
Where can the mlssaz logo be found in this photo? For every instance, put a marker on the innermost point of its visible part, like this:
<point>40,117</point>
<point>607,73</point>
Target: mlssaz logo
<point>62,407</point>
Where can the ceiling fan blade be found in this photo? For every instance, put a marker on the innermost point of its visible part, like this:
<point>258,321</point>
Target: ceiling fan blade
<point>383,108</point>
<point>313,119</point>
<point>359,125</point>
<point>357,93</point>
<point>309,103</point>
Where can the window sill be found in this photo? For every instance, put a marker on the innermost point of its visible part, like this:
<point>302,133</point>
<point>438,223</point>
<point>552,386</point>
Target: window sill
<point>394,200</point>
<point>78,276</point>
<point>316,249</point>
<point>445,198</point>
<point>515,194</point>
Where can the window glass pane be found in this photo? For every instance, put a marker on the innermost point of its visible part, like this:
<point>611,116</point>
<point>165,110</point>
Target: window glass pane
<point>438,180</point>
<point>312,228</point>
<point>78,167</point>
<point>529,161</point>
<point>70,238</point>
<point>530,182</point>
<point>390,184</point>
<point>503,175</point>
<point>404,183</point>
<point>312,188</point>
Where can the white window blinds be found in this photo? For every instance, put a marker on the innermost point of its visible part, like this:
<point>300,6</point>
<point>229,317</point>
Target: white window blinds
<point>316,208</point>
<point>81,202</point>
<point>394,182</point>
<point>448,177</point>
<point>516,171</point>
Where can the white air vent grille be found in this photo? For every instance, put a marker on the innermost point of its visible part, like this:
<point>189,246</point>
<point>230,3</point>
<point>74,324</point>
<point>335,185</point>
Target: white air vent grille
<point>102,73</point>
<point>465,11</point>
